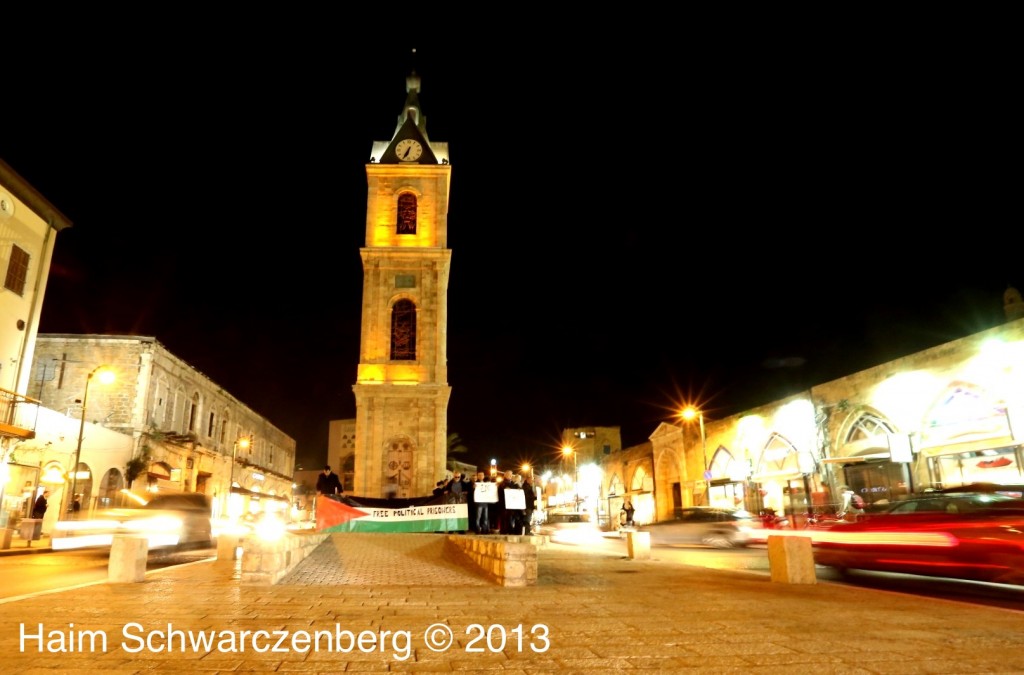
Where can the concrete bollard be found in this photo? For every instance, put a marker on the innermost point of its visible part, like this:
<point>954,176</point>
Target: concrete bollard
<point>228,548</point>
<point>128,556</point>
<point>638,545</point>
<point>5,537</point>
<point>791,559</point>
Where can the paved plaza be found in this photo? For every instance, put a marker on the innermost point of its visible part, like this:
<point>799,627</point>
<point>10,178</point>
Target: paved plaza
<point>396,603</point>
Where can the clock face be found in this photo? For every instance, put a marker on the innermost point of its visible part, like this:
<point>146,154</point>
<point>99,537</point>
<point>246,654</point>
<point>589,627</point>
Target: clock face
<point>408,150</point>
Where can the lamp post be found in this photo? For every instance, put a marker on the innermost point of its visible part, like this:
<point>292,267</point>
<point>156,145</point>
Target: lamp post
<point>242,442</point>
<point>106,376</point>
<point>688,414</point>
<point>566,451</point>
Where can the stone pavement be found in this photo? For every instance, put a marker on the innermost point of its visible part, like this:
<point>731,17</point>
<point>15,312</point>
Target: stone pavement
<point>592,610</point>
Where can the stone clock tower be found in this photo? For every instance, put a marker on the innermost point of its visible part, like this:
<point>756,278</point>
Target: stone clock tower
<point>401,386</point>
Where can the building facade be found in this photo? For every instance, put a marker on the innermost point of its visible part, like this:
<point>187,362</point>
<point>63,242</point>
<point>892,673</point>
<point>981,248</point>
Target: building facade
<point>401,388</point>
<point>183,432</point>
<point>29,225</point>
<point>943,417</point>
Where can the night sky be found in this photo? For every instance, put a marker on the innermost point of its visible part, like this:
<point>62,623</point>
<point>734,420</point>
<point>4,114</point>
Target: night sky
<point>630,229</point>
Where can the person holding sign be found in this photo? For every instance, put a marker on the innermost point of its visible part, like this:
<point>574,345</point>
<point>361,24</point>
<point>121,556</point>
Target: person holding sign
<point>485,493</point>
<point>515,503</point>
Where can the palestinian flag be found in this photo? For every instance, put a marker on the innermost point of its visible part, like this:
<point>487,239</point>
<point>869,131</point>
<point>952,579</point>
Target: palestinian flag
<point>427,514</point>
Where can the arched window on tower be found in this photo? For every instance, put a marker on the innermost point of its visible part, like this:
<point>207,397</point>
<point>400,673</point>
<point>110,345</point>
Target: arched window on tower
<point>403,331</point>
<point>406,213</point>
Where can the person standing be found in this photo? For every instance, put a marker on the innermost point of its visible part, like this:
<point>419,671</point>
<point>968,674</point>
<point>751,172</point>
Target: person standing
<point>439,487</point>
<point>481,512</point>
<point>513,523</point>
<point>628,509</point>
<point>328,483</point>
<point>456,489</point>
<point>500,518</point>
<point>39,508</point>
<point>531,504</point>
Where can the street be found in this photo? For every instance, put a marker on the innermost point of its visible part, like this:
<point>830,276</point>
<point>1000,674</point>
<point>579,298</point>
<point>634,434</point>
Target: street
<point>40,572</point>
<point>755,559</point>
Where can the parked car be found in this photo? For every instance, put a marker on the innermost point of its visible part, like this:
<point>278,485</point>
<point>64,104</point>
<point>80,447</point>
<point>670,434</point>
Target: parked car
<point>704,525</point>
<point>980,543</point>
<point>177,519</point>
<point>569,527</point>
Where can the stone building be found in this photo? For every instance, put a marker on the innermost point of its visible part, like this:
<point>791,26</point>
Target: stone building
<point>185,432</point>
<point>946,416</point>
<point>29,225</point>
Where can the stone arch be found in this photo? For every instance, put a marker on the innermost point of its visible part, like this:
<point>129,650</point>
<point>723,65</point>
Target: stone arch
<point>82,487</point>
<point>109,494</point>
<point>669,476</point>
<point>864,430</point>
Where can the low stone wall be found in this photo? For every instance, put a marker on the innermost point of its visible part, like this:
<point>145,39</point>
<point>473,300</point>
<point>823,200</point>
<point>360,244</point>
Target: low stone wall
<point>509,560</point>
<point>266,562</point>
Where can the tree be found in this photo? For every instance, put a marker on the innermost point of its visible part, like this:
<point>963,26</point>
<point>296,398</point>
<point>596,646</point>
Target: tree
<point>137,465</point>
<point>455,445</point>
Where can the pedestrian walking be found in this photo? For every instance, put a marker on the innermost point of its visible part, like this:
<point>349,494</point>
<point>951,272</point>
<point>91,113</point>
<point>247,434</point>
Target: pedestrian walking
<point>39,508</point>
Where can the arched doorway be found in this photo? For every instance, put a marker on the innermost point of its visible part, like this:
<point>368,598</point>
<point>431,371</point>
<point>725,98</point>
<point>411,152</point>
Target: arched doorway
<point>110,490</point>
<point>82,485</point>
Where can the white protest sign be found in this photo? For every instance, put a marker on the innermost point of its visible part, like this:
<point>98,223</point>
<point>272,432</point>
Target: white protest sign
<point>515,499</point>
<point>485,493</point>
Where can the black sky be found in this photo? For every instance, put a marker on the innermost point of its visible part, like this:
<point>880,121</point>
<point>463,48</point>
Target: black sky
<point>629,229</point>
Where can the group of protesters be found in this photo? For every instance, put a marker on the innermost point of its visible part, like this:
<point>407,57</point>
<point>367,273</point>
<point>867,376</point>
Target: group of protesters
<point>503,515</point>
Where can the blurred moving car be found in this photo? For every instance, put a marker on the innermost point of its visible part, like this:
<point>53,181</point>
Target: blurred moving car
<point>953,502</point>
<point>167,520</point>
<point>980,543</point>
<point>569,527</point>
<point>1010,490</point>
<point>704,525</point>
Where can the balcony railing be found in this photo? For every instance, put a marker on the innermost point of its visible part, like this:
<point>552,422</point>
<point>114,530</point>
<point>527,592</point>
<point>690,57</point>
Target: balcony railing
<point>18,415</point>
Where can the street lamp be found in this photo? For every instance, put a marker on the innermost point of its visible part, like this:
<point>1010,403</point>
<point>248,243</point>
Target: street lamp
<point>688,414</point>
<point>566,451</point>
<point>106,376</point>
<point>243,442</point>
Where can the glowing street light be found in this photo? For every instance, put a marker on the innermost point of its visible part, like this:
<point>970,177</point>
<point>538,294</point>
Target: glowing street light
<point>105,376</point>
<point>241,443</point>
<point>689,414</point>
<point>566,451</point>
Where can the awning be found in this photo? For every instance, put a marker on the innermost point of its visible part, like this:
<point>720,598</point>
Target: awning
<point>857,458</point>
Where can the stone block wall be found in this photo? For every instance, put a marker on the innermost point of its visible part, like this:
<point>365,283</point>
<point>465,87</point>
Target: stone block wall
<point>507,560</point>
<point>267,562</point>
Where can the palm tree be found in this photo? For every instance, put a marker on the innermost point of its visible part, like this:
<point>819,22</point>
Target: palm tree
<point>455,445</point>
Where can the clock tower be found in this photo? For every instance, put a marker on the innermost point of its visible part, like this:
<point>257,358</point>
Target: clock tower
<point>401,387</point>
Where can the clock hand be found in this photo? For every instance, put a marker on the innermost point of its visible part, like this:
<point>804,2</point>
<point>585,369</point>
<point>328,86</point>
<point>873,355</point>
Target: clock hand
<point>406,153</point>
